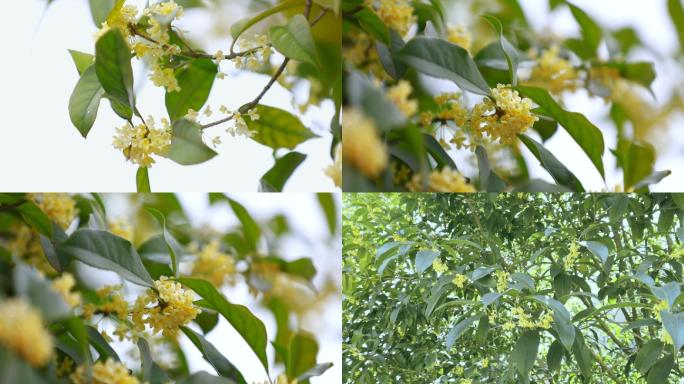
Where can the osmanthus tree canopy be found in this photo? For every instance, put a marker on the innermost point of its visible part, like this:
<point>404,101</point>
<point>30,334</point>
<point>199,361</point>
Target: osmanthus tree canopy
<point>63,321</point>
<point>303,47</point>
<point>513,288</point>
<point>432,104</point>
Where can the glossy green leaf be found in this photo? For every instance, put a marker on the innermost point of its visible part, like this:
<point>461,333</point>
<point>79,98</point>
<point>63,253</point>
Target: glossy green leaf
<point>142,180</point>
<point>81,60</point>
<point>295,41</point>
<point>647,356</point>
<point>85,101</point>
<point>329,207</point>
<point>597,248</point>
<point>458,329</point>
<point>187,146</point>
<point>371,23</point>
<point>661,370</point>
<point>637,160</point>
<point>277,128</point>
<point>301,355</point>
<point>104,250</point>
<point>509,51</point>
<point>36,218</point>
<point>250,228</point>
<point>525,352</point>
<point>241,26</point>
<point>586,134</point>
<point>195,80</point>
<point>212,355</point>
<point>274,180</point>
<point>556,169</point>
<point>100,344</point>
<point>424,259</point>
<point>113,67</point>
<point>592,33</point>
<point>582,356</point>
<point>441,59</point>
<point>173,247</point>
<point>245,323</point>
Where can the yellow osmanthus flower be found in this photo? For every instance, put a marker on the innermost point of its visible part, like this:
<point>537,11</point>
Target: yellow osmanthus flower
<point>508,326</point>
<point>165,309</point>
<point>396,14</point>
<point>399,95</point>
<point>25,243</point>
<point>213,265</point>
<point>109,372</point>
<point>444,180</point>
<point>63,286</point>
<point>505,117</point>
<point>545,321</point>
<point>110,302</point>
<point>439,266</point>
<point>501,280</point>
<point>666,338</point>
<point>485,362</point>
<point>60,207</point>
<point>121,227</point>
<point>459,280</point>
<point>164,77</point>
<point>662,305</point>
<point>120,18</point>
<point>459,35</point>
<point>361,146</point>
<point>334,171</point>
<point>458,370</point>
<point>554,72</point>
<point>22,330</point>
<point>573,255</point>
<point>677,252</point>
<point>465,381</point>
<point>141,142</point>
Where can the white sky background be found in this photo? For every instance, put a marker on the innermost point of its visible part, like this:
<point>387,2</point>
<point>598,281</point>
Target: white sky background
<point>311,240</point>
<point>40,150</point>
<point>652,22</point>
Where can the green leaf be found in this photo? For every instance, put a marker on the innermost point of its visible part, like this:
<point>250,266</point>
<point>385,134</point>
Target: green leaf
<point>317,370</point>
<point>525,352</point>
<point>85,101</point>
<point>437,152</point>
<point>113,67</point>
<point>277,128</point>
<point>424,259</point>
<point>104,250</point>
<point>674,325</point>
<point>441,59</point>
<point>205,378</point>
<point>556,169</point>
<point>558,307</point>
<point>637,161</point>
<point>586,134</point>
<point>187,147</point>
<point>302,267</point>
<point>30,284</point>
<point>195,80</point>
<point>676,11</point>
<point>582,355</point>
<point>371,23</point>
<point>591,31</point>
<point>327,203</point>
<point>301,355</point>
<point>100,344</point>
<point>458,330</point>
<point>491,297</point>
<point>295,41</point>
<point>509,51</point>
<point>274,180</point>
<point>245,323</point>
<point>174,248</point>
<point>661,370</point>
<point>250,228</point>
<point>647,356</point>
<point>668,292</point>
<point>207,321</point>
<point>82,60</point>
<point>152,373</point>
<point>212,355</point>
<point>555,356</point>
<point>489,180</point>
<point>363,94</point>
<point>142,180</point>
<point>99,9</point>
<point>36,218</point>
<point>597,248</point>
<point>241,26</point>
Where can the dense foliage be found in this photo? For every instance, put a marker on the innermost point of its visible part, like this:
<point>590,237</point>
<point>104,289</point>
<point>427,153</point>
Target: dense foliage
<point>301,48</point>
<point>459,95</point>
<point>513,288</point>
<point>64,320</point>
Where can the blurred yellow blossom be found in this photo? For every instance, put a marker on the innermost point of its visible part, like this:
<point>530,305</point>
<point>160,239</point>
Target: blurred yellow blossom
<point>60,207</point>
<point>121,227</point>
<point>109,372</point>
<point>334,171</point>
<point>396,14</point>
<point>399,95</point>
<point>459,35</point>
<point>22,330</point>
<point>63,285</point>
<point>554,72</point>
<point>362,148</point>
<point>213,265</point>
<point>445,180</point>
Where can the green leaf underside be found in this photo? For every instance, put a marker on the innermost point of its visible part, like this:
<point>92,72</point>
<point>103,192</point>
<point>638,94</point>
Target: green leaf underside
<point>277,128</point>
<point>85,101</point>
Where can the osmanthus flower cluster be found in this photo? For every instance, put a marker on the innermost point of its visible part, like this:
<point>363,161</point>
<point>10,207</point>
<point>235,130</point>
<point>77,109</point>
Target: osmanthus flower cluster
<point>61,319</point>
<point>502,98</point>
<point>296,52</point>
<point>512,288</point>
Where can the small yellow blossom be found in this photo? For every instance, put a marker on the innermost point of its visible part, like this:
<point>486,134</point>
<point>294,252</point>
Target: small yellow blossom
<point>216,141</point>
<point>110,302</point>
<point>571,258</point>
<point>213,265</point>
<point>240,127</point>
<point>164,77</point>
<point>459,280</point>
<point>59,207</point>
<point>399,95</point>
<point>545,321</point>
<point>396,14</point>
<point>666,338</point>
<point>505,117</point>
<point>109,372</point>
<point>554,72</point>
<point>22,330</point>
<point>63,285</point>
<point>219,56</point>
<point>445,180</point>
<point>485,362</point>
<point>677,252</point>
<point>501,280</point>
<point>139,143</point>
<point>459,35</point>
<point>165,309</point>
<point>662,305</point>
<point>458,370</point>
<point>508,326</point>
<point>121,227</point>
<point>439,266</point>
<point>362,148</point>
<point>334,171</point>
<point>465,381</point>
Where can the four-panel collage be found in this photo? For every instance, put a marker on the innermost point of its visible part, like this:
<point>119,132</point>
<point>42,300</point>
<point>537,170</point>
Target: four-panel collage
<point>342,191</point>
